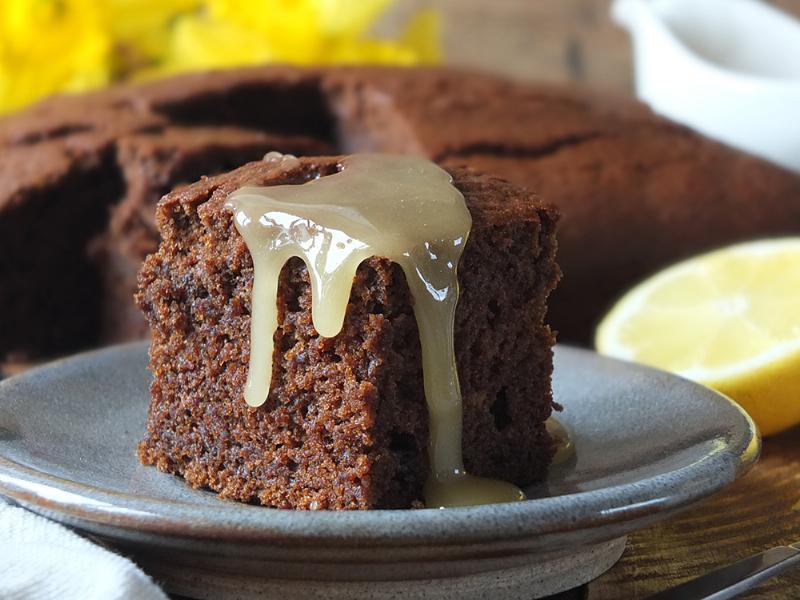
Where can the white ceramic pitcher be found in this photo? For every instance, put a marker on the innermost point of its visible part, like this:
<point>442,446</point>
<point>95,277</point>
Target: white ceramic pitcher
<point>727,68</point>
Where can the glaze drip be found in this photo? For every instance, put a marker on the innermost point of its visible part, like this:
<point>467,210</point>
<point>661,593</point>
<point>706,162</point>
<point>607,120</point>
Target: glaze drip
<point>403,208</point>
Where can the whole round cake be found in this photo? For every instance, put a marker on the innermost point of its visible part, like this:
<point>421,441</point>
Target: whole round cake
<point>82,174</point>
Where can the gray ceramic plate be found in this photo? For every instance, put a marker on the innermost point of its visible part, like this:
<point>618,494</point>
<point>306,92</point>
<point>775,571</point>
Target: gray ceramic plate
<point>647,445</point>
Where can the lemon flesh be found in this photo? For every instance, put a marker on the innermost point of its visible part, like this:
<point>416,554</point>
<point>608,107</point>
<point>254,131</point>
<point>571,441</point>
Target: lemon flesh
<point>729,319</point>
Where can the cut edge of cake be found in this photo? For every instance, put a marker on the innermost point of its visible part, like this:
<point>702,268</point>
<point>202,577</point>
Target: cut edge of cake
<point>345,425</point>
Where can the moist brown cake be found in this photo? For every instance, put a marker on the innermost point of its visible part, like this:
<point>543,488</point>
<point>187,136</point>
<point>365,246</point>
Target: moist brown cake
<point>154,163</point>
<point>636,192</point>
<point>345,425</point>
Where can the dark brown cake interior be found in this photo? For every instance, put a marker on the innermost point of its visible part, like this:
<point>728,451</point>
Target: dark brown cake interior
<point>49,292</point>
<point>345,425</point>
<point>153,164</point>
<point>82,176</point>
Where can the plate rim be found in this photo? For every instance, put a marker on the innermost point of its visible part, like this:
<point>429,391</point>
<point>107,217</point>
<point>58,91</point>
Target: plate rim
<point>657,496</point>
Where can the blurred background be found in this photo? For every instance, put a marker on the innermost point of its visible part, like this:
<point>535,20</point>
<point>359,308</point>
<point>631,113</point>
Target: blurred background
<point>554,40</point>
<point>48,46</point>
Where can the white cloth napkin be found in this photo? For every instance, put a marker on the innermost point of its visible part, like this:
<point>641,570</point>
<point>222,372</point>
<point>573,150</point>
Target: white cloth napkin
<point>41,560</point>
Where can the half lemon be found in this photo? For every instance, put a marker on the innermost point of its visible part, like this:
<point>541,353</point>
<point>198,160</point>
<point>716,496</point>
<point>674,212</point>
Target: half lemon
<point>729,319</point>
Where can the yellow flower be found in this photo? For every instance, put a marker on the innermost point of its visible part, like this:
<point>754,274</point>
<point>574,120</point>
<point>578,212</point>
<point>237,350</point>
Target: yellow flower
<point>48,46</point>
<point>141,29</point>
<point>242,32</point>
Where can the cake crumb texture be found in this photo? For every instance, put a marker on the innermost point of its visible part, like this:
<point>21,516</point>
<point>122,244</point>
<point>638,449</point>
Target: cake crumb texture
<point>345,425</point>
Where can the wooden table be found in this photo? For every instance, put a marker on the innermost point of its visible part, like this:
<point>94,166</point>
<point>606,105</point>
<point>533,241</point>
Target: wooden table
<point>552,40</point>
<point>758,512</point>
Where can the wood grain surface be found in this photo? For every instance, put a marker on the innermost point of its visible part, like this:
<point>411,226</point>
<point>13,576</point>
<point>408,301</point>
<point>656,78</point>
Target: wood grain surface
<point>552,40</point>
<point>758,512</point>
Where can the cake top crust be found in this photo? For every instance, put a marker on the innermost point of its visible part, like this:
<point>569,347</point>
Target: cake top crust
<point>492,199</point>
